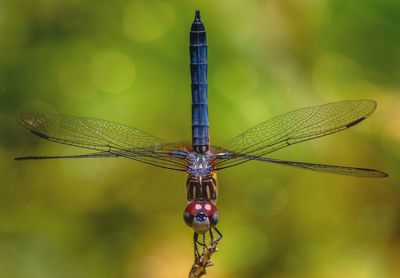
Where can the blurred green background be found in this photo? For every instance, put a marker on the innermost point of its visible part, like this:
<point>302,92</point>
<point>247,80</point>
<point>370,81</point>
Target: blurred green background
<point>128,61</point>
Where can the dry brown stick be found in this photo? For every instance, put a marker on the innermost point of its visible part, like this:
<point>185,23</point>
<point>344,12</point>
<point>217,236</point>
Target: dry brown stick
<point>204,261</point>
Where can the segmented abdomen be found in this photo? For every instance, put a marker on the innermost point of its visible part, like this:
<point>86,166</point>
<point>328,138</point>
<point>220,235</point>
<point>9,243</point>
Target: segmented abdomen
<point>198,70</point>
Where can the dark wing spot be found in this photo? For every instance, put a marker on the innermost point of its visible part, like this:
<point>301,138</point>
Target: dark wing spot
<point>41,135</point>
<point>355,122</point>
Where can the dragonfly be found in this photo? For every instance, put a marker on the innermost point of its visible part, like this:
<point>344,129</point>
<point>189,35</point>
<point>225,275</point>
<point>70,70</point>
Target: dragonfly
<point>199,159</point>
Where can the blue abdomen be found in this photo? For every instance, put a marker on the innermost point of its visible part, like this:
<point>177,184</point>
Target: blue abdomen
<point>198,70</point>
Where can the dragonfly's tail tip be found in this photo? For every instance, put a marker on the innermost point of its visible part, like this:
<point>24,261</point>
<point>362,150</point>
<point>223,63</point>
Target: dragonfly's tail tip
<point>197,15</point>
<point>384,175</point>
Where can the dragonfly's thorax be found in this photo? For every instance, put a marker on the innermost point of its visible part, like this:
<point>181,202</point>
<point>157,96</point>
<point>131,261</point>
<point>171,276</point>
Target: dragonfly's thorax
<point>199,165</point>
<point>202,188</point>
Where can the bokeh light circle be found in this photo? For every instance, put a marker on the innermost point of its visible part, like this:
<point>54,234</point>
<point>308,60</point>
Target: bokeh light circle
<point>112,71</point>
<point>147,20</point>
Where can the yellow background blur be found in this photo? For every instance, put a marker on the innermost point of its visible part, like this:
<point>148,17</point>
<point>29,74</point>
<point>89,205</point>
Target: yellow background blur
<point>128,61</point>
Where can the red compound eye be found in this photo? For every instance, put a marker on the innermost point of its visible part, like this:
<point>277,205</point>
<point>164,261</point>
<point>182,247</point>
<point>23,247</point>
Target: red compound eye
<point>195,207</point>
<point>209,208</point>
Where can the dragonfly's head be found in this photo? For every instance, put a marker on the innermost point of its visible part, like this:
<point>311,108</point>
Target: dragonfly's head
<point>201,216</point>
<point>200,165</point>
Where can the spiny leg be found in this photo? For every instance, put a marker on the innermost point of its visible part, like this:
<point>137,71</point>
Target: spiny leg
<point>211,235</point>
<point>196,249</point>
<point>198,242</point>
<point>204,243</point>
<point>213,239</point>
<point>219,234</point>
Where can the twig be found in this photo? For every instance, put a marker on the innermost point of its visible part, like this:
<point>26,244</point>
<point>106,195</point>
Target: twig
<point>204,261</point>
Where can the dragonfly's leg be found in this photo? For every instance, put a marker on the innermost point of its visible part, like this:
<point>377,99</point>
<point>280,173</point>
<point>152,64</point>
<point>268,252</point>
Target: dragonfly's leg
<point>196,250</point>
<point>198,242</point>
<point>204,243</point>
<point>211,235</point>
<point>219,234</point>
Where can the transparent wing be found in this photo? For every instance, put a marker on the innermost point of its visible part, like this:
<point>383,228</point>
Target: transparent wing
<point>88,155</point>
<point>105,137</point>
<point>342,170</point>
<point>294,127</point>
